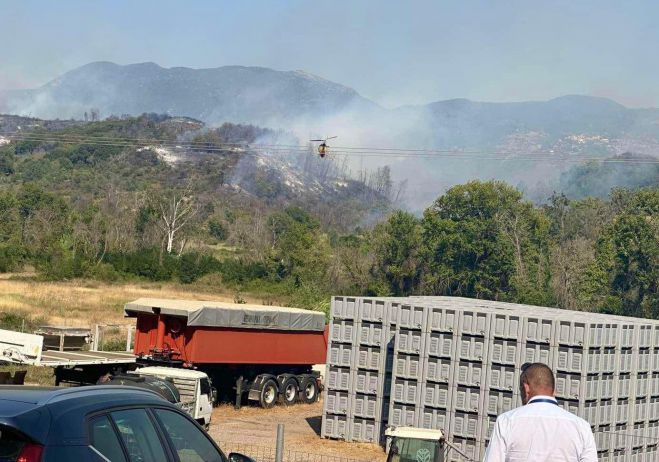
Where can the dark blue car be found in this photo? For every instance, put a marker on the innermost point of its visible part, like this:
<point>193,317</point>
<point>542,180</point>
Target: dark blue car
<point>99,423</point>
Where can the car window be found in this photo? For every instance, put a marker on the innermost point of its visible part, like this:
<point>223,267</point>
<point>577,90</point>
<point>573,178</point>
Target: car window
<point>139,435</point>
<point>11,445</point>
<point>190,443</point>
<point>105,440</point>
<point>205,387</point>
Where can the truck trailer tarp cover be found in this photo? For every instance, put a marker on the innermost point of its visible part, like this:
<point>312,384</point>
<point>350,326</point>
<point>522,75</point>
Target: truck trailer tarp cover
<point>225,314</point>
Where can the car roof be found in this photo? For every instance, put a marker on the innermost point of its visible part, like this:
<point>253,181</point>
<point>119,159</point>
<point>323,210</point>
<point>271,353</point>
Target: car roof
<point>47,414</point>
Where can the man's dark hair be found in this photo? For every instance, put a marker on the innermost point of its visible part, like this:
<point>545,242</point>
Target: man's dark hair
<point>537,375</point>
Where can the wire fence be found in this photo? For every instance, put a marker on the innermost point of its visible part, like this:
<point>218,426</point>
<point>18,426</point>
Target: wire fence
<point>267,454</point>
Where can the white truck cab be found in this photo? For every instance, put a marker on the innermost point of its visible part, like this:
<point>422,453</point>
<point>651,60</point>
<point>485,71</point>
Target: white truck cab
<point>194,387</point>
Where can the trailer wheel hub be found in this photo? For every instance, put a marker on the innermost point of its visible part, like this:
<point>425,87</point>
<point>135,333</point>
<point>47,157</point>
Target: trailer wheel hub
<point>310,391</point>
<point>269,395</point>
<point>290,392</point>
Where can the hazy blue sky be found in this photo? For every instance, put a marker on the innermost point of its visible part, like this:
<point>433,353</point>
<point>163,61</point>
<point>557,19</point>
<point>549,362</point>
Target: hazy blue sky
<point>395,52</point>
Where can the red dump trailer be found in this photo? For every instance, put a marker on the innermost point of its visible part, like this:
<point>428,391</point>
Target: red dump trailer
<point>265,352</point>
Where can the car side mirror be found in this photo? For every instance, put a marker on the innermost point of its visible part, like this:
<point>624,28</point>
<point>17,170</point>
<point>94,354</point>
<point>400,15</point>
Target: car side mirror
<point>237,457</point>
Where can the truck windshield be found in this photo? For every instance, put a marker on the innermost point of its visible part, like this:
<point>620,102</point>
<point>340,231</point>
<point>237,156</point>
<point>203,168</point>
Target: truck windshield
<point>413,450</point>
<point>205,387</point>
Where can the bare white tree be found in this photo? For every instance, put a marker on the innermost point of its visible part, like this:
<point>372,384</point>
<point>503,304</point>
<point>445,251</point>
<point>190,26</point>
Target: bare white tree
<point>176,211</point>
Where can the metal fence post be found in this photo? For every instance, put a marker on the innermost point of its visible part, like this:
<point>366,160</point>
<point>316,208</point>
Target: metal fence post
<point>279,455</point>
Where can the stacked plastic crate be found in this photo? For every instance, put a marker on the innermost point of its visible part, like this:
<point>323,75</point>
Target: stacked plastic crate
<point>359,362</point>
<point>457,361</point>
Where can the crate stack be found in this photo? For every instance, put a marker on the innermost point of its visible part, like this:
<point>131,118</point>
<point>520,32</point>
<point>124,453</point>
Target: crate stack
<point>454,363</point>
<point>359,362</point>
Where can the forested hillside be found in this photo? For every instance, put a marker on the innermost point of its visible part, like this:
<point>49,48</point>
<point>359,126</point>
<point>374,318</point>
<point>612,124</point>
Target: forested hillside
<point>85,200</point>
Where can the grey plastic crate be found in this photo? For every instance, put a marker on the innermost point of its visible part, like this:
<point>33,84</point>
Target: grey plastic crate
<point>607,386</point>
<point>408,366</point>
<point>335,426</point>
<point>643,360</point>
<point>344,308</point>
<point>405,391</point>
<point>623,388</point>
<point>442,319</point>
<point>371,333</point>
<point>496,402</point>
<point>626,335</point>
<point>603,442</point>
<point>470,447</point>
<point>507,326</point>
<point>466,399</point>
<point>608,360</point>
<point>338,378</point>
<point>337,402</point>
<point>439,344</point>
<point>487,428</point>
<point>471,348</point>
<point>410,316</point>
<point>622,411</point>
<point>475,322</point>
<point>366,381</point>
<point>373,310</point>
<point>640,412</point>
<point>502,377</point>
<point>365,430</point>
<point>654,384</point>
<point>578,386</point>
<point>507,352</point>
<point>469,373</point>
<point>409,341</point>
<point>655,359</point>
<point>370,357</point>
<point>538,329</point>
<point>642,385</point>
<point>598,413</point>
<point>577,360</point>
<point>403,415</point>
<point>465,425</point>
<point>602,334</point>
<point>536,353</point>
<point>339,354</point>
<point>644,336</point>
<point>625,360</point>
<point>436,395</point>
<point>434,419</point>
<point>366,406</point>
<point>343,331</point>
<point>439,370</point>
<point>653,409</point>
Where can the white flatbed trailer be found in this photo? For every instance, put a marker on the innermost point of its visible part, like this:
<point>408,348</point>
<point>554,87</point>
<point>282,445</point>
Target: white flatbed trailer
<point>70,366</point>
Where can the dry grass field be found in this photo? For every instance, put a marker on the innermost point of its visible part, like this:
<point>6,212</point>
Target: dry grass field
<point>86,303</point>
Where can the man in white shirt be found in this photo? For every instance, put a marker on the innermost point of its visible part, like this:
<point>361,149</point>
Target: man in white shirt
<point>540,431</point>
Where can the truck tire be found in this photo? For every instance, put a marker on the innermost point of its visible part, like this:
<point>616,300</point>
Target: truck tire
<point>309,390</point>
<point>268,396</point>
<point>289,392</point>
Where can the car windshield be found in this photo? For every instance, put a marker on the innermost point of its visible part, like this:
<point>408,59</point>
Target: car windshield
<point>11,445</point>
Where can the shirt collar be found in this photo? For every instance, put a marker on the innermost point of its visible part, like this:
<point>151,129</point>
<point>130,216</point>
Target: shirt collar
<point>542,397</point>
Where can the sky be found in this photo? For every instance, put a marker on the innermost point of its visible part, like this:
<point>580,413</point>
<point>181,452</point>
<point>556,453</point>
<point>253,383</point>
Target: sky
<point>394,52</point>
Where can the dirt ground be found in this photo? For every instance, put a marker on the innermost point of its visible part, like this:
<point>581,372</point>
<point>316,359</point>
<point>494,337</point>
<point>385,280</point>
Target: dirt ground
<point>255,426</point>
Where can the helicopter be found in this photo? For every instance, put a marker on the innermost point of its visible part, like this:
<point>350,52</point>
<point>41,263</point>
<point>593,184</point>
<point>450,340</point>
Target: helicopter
<point>323,148</point>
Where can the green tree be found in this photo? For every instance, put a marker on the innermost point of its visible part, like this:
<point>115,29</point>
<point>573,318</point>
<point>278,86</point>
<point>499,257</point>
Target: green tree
<point>624,278</point>
<point>397,244</point>
<point>482,240</point>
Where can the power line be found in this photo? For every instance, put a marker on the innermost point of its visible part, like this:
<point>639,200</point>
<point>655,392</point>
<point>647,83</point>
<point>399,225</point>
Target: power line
<point>536,156</point>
